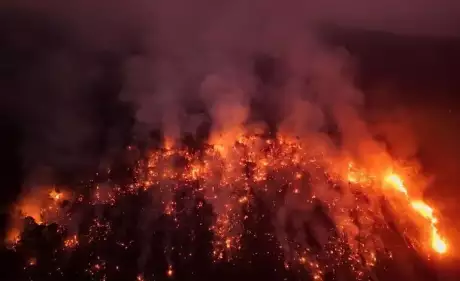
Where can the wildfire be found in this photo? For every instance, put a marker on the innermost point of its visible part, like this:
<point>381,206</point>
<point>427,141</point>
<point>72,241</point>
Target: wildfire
<point>71,242</point>
<point>396,182</point>
<point>230,177</point>
<point>438,243</point>
<point>57,196</point>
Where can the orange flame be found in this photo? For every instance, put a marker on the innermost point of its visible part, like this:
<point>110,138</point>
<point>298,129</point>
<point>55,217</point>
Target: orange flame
<point>396,182</point>
<point>438,243</point>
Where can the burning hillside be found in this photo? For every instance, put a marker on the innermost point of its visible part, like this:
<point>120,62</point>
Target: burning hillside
<point>266,151</point>
<point>292,176</point>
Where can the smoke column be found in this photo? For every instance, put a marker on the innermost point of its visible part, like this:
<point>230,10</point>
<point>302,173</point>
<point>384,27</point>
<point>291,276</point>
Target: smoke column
<point>201,54</point>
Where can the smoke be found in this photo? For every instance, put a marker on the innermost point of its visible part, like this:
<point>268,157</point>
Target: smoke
<point>210,61</point>
<point>202,54</point>
<point>180,48</point>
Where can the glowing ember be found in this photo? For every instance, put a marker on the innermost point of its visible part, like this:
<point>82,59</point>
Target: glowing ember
<point>32,262</point>
<point>232,177</point>
<point>170,271</point>
<point>71,242</point>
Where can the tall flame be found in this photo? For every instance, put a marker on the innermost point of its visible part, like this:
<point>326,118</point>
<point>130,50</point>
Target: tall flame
<point>438,243</point>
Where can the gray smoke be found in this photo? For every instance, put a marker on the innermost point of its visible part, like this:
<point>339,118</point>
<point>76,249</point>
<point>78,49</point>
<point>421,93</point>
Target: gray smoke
<point>183,47</point>
<point>199,53</point>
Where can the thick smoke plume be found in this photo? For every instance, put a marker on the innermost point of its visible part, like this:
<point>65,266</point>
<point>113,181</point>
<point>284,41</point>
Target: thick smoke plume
<point>184,51</point>
<point>205,54</point>
<point>196,62</point>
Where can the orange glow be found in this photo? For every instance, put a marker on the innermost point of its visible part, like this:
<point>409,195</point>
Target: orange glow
<point>170,271</point>
<point>396,182</point>
<point>423,209</point>
<point>438,244</point>
<point>32,262</point>
<point>13,236</point>
<point>71,242</point>
<point>56,195</point>
<point>243,199</point>
<point>232,172</point>
<point>168,143</point>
